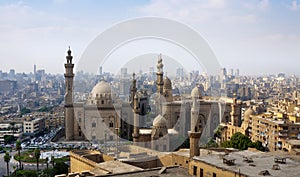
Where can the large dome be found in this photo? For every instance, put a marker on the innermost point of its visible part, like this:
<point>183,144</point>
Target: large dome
<point>101,87</point>
<point>196,93</point>
<point>159,121</point>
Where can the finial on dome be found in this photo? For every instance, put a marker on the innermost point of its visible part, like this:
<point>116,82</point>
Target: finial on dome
<point>133,75</point>
<point>69,51</point>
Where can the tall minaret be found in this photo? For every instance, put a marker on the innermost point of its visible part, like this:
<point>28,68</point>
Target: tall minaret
<point>136,121</point>
<point>235,112</point>
<point>159,85</point>
<point>195,132</point>
<point>159,75</point>
<point>69,110</point>
<point>133,90</point>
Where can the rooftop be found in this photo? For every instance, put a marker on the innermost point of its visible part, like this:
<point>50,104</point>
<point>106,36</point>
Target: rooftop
<point>261,162</point>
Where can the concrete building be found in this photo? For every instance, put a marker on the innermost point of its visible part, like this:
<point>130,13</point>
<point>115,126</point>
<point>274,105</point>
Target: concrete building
<point>33,126</point>
<point>10,129</point>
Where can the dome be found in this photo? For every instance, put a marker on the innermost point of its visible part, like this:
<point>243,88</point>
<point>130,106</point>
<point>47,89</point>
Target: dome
<point>196,93</point>
<point>159,121</point>
<point>249,112</point>
<point>101,87</point>
<point>167,83</point>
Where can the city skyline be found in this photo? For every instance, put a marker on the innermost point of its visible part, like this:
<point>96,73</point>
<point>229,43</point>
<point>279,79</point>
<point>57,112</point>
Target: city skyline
<point>257,37</point>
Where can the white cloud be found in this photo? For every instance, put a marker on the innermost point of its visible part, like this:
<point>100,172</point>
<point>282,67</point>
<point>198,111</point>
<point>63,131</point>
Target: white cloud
<point>238,19</point>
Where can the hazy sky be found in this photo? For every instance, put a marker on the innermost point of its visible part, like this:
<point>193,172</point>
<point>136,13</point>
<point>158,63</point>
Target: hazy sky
<point>257,36</point>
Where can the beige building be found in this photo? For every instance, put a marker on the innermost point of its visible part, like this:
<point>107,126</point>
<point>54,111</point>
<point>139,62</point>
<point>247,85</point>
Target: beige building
<point>33,125</point>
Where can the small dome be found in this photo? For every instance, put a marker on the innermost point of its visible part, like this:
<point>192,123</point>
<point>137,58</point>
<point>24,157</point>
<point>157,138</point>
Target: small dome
<point>249,112</point>
<point>101,87</point>
<point>159,121</point>
<point>167,83</point>
<point>196,93</point>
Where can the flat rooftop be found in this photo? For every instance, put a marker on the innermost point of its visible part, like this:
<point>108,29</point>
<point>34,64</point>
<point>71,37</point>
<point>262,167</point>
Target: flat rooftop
<point>261,161</point>
<point>169,172</point>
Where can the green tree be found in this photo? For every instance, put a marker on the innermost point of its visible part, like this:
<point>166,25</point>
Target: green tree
<point>25,111</point>
<point>60,168</point>
<point>37,154</point>
<point>47,159</point>
<point>258,145</point>
<point>27,173</point>
<point>211,143</point>
<point>8,139</point>
<point>238,141</point>
<point>19,148</point>
<point>7,159</point>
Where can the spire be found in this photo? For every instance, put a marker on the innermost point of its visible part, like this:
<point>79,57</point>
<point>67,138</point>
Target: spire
<point>69,57</point>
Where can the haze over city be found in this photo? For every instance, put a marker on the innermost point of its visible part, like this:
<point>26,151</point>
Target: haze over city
<point>258,37</point>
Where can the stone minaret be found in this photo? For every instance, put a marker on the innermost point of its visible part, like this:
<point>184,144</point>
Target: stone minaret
<point>136,123</point>
<point>235,112</point>
<point>69,110</point>
<point>133,90</point>
<point>195,132</point>
<point>159,85</point>
<point>160,75</point>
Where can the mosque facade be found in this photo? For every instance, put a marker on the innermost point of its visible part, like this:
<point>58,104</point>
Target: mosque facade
<point>104,117</point>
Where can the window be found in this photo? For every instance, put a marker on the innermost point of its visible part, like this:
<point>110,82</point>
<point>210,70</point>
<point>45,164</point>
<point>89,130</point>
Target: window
<point>111,124</point>
<point>93,137</point>
<point>102,101</point>
<point>214,175</point>
<point>195,171</point>
<point>201,172</point>
<point>94,124</point>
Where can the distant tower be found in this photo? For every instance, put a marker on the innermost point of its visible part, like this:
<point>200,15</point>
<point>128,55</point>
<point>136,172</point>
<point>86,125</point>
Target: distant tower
<point>34,72</point>
<point>235,112</point>
<point>136,124</point>
<point>195,132</point>
<point>133,90</point>
<point>69,110</point>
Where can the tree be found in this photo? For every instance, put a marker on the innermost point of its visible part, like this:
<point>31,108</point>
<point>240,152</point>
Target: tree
<point>258,145</point>
<point>238,141</point>
<point>47,159</point>
<point>7,159</point>
<point>60,168</point>
<point>8,139</point>
<point>37,154</point>
<point>19,148</point>
<point>211,143</point>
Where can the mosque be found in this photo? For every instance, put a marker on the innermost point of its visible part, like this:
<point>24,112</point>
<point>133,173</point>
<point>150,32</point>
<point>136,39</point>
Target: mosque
<point>104,117</point>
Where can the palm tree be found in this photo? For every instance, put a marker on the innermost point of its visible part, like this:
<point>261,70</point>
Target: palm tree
<point>7,159</point>
<point>19,148</point>
<point>47,159</point>
<point>37,154</point>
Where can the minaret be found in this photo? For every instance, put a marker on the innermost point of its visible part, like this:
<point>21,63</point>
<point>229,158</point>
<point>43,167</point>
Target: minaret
<point>159,85</point>
<point>133,89</point>
<point>195,132</point>
<point>136,123</point>
<point>159,75</point>
<point>69,110</point>
<point>235,112</point>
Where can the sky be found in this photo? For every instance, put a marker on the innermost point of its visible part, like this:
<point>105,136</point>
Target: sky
<point>257,36</point>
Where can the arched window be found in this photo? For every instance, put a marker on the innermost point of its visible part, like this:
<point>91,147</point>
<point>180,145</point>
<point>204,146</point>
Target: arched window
<point>111,124</point>
<point>94,124</point>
